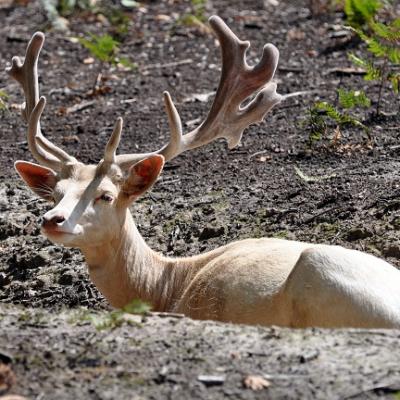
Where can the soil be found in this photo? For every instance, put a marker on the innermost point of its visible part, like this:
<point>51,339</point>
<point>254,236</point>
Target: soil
<point>273,184</point>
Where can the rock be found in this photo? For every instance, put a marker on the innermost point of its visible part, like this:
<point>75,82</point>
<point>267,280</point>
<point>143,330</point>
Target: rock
<point>38,260</point>
<point>211,380</point>
<point>68,278</point>
<point>42,281</point>
<point>5,358</point>
<point>358,233</point>
<point>4,279</point>
<point>392,251</point>
<point>211,232</point>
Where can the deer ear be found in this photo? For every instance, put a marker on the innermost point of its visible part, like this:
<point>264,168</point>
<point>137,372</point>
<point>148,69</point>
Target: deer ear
<point>40,179</point>
<point>142,176</point>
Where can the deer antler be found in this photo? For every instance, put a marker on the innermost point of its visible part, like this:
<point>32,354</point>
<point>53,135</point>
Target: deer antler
<point>45,152</point>
<point>227,118</point>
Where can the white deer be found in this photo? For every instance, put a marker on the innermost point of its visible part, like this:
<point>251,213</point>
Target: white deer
<point>254,281</point>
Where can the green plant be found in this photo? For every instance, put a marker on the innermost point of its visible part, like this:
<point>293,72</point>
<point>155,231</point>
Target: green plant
<point>281,235</point>
<point>322,114</point>
<point>197,16</point>
<point>105,48</point>
<point>360,12</point>
<point>383,46</point>
<point>67,7</point>
<point>116,318</point>
<point>59,11</point>
<point>199,7</point>
<point>3,100</point>
<point>118,20</point>
<point>353,98</point>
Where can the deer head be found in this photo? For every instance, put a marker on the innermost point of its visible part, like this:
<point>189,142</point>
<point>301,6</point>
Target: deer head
<point>91,201</point>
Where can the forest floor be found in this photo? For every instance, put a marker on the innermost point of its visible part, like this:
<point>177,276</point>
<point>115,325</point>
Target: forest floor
<point>342,191</point>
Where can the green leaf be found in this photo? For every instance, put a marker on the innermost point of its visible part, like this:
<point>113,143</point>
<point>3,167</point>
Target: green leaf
<point>372,73</point>
<point>3,94</point>
<point>317,125</point>
<point>394,54</point>
<point>390,32</point>
<point>116,318</point>
<point>351,98</point>
<point>376,48</point>
<point>137,307</point>
<point>103,47</point>
<point>357,60</point>
<point>129,3</point>
<point>329,109</point>
<point>395,81</point>
<point>336,115</point>
<point>3,99</point>
<point>360,12</point>
<point>127,63</point>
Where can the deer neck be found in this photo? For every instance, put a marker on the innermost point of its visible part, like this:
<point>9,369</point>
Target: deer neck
<point>126,268</point>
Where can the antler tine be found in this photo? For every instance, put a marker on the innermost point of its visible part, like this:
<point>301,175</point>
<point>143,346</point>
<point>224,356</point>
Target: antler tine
<point>226,118</point>
<point>26,75</point>
<point>113,142</point>
<point>170,150</point>
<point>44,144</point>
<point>175,126</point>
<point>39,154</point>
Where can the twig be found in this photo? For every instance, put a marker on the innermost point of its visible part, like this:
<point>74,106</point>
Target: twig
<point>258,153</point>
<point>301,93</point>
<point>79,106</point>
<point>168,182</point>
<point>383,79</point>
<point>167,65</point>
<point>387,387</point>
<point>314,216</point>
<point>310,179</point>
<point>164,314</point>
<point>345,71</point>
<point>288,68</point>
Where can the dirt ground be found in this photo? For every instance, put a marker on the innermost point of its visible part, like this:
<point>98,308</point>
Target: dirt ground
<point>205,198</point>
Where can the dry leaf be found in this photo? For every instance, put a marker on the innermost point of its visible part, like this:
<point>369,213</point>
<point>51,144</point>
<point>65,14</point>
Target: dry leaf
<point>7,378</point>
<point>76,107</point>
<point>318,7</point>
<point>6,3</point>
<point>70,139</point>
<point>255,382</point>
<point>163,18</point>
<point>337,136</point>
<point>89,60</point>
<point>295,34</point>
<point>264,158</point>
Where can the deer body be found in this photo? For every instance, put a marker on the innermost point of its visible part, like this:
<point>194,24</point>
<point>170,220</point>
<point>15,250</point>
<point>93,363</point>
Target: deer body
<point>254,281</point>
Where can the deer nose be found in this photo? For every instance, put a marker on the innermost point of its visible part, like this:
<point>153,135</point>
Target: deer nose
<point>52,221</point>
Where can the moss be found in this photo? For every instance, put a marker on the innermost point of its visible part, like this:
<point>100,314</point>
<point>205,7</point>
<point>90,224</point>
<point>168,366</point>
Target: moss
<point>281,235</point>
<point>327,229</point>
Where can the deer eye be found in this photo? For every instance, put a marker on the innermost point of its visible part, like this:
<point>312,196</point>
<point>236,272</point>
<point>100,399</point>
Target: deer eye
<point>106,197</point>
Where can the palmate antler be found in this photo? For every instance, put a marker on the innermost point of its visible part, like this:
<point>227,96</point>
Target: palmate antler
<point>226,119</point>
<point>45,152</point>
